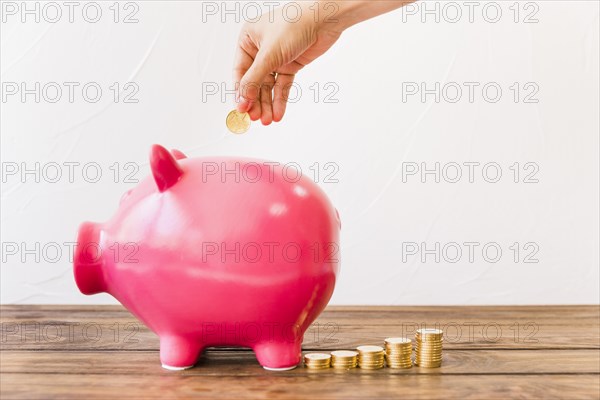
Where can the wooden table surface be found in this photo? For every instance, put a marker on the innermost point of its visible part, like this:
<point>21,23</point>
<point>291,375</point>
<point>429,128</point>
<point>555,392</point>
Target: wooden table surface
<point>489,352</point>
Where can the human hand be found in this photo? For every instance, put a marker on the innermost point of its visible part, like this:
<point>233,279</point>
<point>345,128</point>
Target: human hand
<point>272,50</point>
<point>269,54</point>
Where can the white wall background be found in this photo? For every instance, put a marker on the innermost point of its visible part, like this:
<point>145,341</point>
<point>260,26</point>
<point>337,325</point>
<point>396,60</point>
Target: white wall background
<point>370,134</point>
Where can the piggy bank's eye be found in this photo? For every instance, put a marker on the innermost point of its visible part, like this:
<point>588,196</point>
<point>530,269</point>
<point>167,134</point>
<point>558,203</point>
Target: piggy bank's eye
<point>125,196</point>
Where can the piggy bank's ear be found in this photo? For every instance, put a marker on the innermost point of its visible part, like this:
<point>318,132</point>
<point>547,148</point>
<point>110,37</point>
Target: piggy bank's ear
<point>165,169</point>
<point>178,154</point>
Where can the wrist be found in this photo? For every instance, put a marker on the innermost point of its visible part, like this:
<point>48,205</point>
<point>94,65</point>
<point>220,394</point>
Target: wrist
<point>331,15</point>
<point>342,14</point>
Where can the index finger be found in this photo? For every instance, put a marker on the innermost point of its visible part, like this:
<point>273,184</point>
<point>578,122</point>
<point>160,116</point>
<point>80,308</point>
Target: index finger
<point>243,61</point>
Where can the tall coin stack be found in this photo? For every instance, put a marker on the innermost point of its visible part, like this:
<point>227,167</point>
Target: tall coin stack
<point>370,357</point>
<point>397,352</point>
<point>428,351</point>
<point>317,360</point>
<point>344,359</point>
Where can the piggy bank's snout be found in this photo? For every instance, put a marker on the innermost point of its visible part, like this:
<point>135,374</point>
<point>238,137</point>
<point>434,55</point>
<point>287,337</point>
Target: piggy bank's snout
<point>88,260</point>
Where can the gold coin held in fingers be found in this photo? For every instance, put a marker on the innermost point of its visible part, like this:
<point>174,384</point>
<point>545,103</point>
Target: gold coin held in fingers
<point>237,122</point>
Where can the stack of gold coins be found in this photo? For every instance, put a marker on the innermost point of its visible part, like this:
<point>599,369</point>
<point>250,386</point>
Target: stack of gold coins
<point>370,357</point>
<point>317,360</point>
<point>344,359</point>
<point>397,352</point>
<point>428,351</point>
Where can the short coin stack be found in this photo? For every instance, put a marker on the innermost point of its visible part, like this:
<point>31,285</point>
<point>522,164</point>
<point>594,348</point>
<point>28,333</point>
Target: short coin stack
<point>344,359</point>
<point>370,357</point>
<point>397,352</point>
<point>317,360</point>
<point>428,351</point>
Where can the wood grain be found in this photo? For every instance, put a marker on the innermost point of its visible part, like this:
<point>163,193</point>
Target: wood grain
<point>378,385</point>
<point>243,363</point>
<point>57,352</point>
<point>114,328</point>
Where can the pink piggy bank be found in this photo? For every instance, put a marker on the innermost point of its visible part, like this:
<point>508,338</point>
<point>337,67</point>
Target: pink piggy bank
<point>217,252</point>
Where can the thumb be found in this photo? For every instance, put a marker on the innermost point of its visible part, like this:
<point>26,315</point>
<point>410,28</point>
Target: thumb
<point>252,80</point>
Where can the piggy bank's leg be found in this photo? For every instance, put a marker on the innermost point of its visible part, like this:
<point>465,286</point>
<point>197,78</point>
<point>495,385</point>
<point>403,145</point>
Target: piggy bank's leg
<point>177,353</point>
<point>279,356</point>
